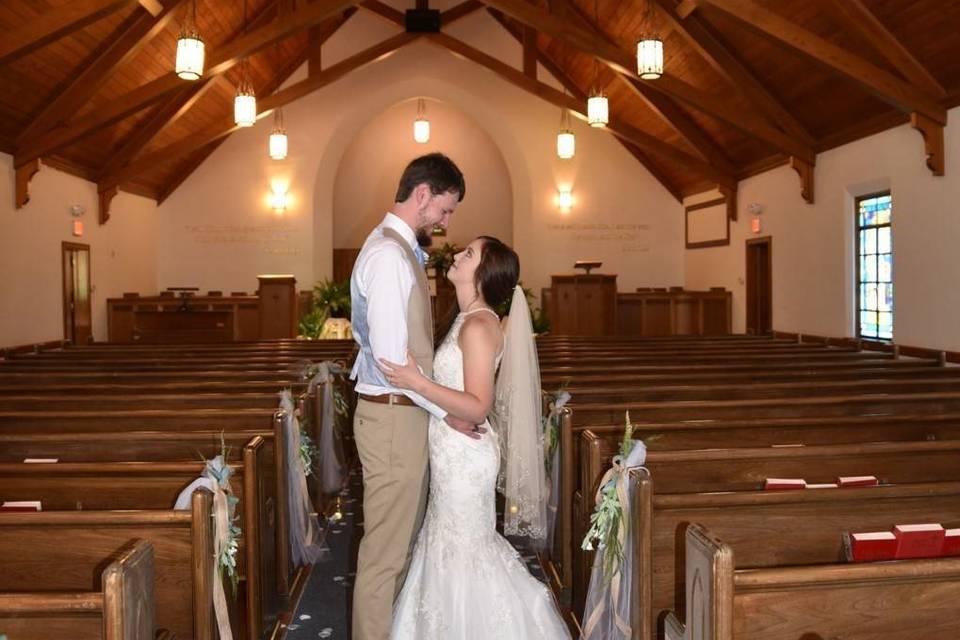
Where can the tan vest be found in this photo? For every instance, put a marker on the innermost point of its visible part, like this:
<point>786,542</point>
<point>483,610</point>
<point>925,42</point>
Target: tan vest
<point>419,314</point>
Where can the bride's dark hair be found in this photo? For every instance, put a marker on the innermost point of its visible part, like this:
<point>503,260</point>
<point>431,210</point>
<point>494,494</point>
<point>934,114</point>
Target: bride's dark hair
<point>498,271</point>
<point>495,277</point>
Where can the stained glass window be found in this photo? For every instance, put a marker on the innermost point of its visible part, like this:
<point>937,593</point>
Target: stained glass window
<point>875,267</point>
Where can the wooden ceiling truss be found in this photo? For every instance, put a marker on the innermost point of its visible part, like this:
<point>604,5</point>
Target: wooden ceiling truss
<point>899,80</point>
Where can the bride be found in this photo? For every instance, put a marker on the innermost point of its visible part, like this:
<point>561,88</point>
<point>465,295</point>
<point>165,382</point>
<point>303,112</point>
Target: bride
<point>465,580</point>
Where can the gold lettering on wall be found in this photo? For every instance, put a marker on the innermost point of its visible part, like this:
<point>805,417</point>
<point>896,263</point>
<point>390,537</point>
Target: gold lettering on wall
<point>274,239</point>
<point>625,237</point>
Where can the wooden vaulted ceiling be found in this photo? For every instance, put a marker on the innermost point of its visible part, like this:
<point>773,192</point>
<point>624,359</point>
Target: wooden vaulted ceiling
<point>749,84</point>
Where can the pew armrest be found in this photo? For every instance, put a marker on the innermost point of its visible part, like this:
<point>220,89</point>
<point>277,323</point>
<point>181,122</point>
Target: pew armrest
<point>709,586</point>
<point>128,598</point>
<point>672,628</point>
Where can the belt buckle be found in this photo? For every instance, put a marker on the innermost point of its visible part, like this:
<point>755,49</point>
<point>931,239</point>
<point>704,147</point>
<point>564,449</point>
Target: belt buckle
<point>393,399</point>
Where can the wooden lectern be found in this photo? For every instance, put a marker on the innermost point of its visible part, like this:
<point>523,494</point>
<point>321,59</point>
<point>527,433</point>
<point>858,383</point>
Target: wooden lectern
<point>278,306</point>
<point>583,305</point>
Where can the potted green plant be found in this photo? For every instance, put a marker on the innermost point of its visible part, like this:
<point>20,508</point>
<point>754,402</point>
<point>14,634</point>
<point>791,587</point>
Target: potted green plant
<point>330,300</point>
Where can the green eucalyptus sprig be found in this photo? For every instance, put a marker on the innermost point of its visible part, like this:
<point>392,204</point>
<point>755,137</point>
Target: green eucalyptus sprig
<point>551,424</point>
<point>607,517</point>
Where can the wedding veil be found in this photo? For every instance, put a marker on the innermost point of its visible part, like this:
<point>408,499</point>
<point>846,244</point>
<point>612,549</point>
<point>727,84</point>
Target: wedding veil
<point>517,420</point>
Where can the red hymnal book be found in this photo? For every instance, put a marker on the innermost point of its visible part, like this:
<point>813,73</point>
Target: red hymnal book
<point>951,542</point>
<point>857,481</point>
<point>775,484</point>
<point>23,505</point>
<point>865,547</point>
<point>919,540</point>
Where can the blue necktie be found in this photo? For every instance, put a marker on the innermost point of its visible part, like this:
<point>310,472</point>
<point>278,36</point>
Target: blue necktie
<point>421,255</point>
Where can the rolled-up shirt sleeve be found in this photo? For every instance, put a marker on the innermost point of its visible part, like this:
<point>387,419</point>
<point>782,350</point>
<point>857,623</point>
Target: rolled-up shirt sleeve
<point>387,283</point>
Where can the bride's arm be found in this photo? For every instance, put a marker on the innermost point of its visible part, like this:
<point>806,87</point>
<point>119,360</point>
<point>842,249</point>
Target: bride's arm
<point>479,340</point>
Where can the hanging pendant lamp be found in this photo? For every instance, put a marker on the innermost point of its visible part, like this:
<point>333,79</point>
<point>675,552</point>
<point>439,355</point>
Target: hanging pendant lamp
<point>421,126</point>
<point>566,141</point>
<point>190,48</point>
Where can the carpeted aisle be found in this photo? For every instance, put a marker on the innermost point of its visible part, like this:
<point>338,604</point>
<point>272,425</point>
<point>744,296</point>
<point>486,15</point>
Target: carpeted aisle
<point>324,610</point>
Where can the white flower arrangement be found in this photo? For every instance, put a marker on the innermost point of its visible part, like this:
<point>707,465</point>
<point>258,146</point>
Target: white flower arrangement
<point>551,424</point>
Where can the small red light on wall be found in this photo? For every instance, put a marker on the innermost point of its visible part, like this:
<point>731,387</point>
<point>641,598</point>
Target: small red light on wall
<point>78,228</point>
<point>755,224</point>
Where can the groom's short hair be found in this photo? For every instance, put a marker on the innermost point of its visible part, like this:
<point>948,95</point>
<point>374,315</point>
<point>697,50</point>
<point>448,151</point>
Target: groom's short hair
<point>435,169</point>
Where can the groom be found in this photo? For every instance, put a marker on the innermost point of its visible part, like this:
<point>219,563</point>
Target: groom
<point>391,317</point>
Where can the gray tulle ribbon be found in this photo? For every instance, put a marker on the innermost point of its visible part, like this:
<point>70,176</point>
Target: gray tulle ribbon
<point>560,400</point>
<point>607,614</point>
<point>331,469</point>
<point>216,478</point>
<point>306,543</point>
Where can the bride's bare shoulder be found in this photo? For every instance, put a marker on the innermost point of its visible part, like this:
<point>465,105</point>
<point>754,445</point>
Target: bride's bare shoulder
<point>481,329</point>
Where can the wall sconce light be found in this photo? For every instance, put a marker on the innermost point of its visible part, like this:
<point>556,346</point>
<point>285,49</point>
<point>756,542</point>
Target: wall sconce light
<point>278,199</point>
<point>564,200</point>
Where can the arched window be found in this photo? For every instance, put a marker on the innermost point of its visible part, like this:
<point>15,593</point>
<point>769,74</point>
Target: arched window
<point>874,266</point>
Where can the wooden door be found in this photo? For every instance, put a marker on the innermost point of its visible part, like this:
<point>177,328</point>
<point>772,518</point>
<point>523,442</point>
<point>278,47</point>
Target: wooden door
<point>759,286</point>
<point>77,324</point>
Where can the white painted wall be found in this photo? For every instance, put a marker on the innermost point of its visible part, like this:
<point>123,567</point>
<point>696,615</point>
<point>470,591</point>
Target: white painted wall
<point>366,181</point>
<point>123,253</point>
<point>813,245</point>
<point>217,231</point>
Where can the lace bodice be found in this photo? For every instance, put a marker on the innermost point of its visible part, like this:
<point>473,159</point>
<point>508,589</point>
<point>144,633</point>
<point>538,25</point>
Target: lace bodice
<point>448,360</point>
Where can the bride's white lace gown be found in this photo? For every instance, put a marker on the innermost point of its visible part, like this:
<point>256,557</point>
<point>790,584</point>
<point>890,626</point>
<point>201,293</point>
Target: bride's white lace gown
<point>466,581</point>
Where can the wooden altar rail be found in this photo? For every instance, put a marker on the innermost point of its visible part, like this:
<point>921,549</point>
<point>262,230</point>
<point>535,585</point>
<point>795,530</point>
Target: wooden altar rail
<point>210,318</point>
<point>668,313</point>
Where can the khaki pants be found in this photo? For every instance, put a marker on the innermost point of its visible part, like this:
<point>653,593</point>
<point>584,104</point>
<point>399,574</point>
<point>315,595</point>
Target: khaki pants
<point>392,442</point>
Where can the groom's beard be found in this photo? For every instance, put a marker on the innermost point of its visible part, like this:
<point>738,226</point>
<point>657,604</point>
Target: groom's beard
<point>424,238</point>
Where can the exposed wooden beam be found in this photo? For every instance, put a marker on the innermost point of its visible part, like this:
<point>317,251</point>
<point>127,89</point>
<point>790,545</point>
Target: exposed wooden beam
<point>139,29</point>
<point>860,18</point>
<point>461,10</point>
<point>564,78</point>
<point>385,11</point>
<point>153,7</point>
<point>647,142</point>
<point>698,35</point>
<point>55,23</point>
<point>805,171</point>
<point>314,51</point>
<point>529,43</point>
<point>663,106</point>
<point>932,133</point>
<point>423,4</point>
<point>173,108</point>
<point>23,174</point>
<point>882,84</point>
<point>104,199</point>
<point>572,34</point>
<point>265,106</point>
<point>225,57</point>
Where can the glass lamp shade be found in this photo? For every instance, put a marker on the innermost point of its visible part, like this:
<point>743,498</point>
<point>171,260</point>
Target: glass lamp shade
<point>598,110</point>
<point>278,200</point>
<point>650,58</point>
<point>190,53</point>
<point>421,130</point>
<point>245,109</point>
<point>564,200</point>
<point>278,145</point>
<point>566,144</point>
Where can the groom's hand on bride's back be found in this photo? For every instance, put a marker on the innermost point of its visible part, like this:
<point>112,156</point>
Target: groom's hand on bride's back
<point>468,429</point>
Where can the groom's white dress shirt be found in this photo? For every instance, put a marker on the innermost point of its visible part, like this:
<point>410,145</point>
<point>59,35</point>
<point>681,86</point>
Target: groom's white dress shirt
<point>380,286</point>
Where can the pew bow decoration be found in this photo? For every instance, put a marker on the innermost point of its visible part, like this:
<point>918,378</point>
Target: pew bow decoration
<point>607,612</point>
<point>306,545</point>
<point>226,532</point>
<point>551,455</point>
<point>334,404</point>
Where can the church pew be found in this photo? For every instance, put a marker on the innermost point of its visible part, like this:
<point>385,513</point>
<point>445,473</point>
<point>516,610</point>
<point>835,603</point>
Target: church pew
<point>155,388</point>
<point>706,434</point>
<point>119,606</point>
<point>744,469</point>
<point>101,486</point>
<point>747,357</point>
<point>614,391</point>
<point>922,368</point>
<point>769,528</point>
<point>131,399</point>
<point>902,600</point>
<point>62,552</point>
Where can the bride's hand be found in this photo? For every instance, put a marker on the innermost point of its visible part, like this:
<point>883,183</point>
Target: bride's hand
<point>403,376</point>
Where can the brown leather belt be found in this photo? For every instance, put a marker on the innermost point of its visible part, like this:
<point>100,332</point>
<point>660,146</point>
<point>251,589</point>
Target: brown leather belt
<point>390,398</point>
